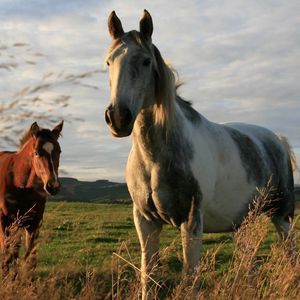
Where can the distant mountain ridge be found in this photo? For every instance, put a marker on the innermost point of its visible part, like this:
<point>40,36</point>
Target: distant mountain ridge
<point>91,191</point>
<point>101,191</point>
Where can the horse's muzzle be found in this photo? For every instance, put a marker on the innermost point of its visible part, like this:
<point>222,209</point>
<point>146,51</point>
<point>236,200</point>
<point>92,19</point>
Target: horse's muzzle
<point>119,120</point>
<point>52,187</point>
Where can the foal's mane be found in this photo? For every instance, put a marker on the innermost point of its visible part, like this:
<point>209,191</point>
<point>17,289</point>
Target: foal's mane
<point>24,138</point>
<point>45,133</point>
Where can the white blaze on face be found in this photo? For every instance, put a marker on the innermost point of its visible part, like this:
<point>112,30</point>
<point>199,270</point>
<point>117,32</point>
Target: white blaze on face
<point>48,147</point>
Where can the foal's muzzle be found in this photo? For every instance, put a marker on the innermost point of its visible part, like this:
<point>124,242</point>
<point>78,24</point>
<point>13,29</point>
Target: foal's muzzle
<point>119,120</point>
<point>52,187</point>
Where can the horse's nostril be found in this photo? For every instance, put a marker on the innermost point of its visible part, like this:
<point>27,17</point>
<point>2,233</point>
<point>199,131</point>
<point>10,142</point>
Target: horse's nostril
<point>107,117</point>
<point>119,119</point>
<point>52,189</point>
<point>127,117</point>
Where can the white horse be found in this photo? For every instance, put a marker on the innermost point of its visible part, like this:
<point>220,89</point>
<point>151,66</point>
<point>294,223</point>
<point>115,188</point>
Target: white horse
<point>183,169</point>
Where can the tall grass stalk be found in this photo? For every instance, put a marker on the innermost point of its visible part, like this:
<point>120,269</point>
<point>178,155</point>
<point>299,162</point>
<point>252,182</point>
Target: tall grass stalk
<point>252,273</point>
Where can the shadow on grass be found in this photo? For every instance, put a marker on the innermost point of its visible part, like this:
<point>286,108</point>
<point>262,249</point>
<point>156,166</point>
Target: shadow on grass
<point>119,227</point>
<point>104,240</point>
<point>174,264</point>
<point>218,240</point>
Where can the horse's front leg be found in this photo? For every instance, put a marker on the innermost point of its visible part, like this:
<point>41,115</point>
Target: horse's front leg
<point>191,236</point>
<point>148,233</point>
<point>30,255</point>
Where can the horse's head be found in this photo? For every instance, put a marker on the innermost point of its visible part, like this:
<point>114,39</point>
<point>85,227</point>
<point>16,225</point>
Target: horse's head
<point>137,74</point>
<point>46,154</point>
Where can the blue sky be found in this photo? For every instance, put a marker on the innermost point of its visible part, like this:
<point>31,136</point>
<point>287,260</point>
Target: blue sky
<point>239,60</point>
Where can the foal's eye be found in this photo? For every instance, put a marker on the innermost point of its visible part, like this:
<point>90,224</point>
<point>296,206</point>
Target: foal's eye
<point>146,62</point>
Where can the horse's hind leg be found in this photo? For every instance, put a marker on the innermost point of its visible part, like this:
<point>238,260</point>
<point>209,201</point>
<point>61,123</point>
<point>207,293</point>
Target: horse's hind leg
<point>282,225</point>
<point>282,211</point>
<point>148,233</point>
<point>286,232</point>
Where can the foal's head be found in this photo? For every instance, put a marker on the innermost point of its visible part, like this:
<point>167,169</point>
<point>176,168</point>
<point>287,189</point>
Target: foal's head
<point>139,78</point>
<point>46,153</point>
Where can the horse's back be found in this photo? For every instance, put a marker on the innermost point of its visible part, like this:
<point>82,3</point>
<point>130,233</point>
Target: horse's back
<point>266,157</point>
<point>243,157</point>
<point>262,152</point>
<point>4,154</point>
<point>5,162</point>
<point>6,157</point>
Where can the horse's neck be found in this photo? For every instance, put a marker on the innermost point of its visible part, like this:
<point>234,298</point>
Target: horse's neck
<point>152,139</point>
<point>24,174</point>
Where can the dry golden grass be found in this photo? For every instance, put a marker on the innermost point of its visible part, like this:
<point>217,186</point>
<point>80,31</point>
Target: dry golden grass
<point>251,274</point>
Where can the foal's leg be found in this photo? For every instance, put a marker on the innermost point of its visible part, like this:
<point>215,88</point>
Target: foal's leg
<point>191,236</point>
<point>10,243</point>
<point>2,231</point>
<point>30,255</point>
<point>148,233</point>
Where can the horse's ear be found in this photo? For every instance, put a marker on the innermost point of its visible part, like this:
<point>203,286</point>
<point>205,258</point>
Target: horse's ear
<point>115,26</point>
<point>57,129</point>
<point>34,129</point>
<point>146,25</point>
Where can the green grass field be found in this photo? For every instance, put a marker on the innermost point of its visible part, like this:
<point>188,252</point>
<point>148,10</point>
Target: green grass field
<point>86,235</point>
<point>80,241</point>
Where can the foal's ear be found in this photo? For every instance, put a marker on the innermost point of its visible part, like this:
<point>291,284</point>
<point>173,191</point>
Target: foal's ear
<point>146,25</point>
<point>57,129</point>
<point>115,26</point>
<point>34,129</point>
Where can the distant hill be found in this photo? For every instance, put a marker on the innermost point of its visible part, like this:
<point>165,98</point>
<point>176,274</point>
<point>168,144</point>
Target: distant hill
<point>87,191</point>
<point>101,191</point>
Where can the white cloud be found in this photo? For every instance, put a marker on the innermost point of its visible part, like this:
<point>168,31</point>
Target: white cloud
<point>240,61</point>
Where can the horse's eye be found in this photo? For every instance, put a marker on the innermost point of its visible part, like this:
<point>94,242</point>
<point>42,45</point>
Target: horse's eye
<point>36,153</point>
<point>146,62</point>
<point>107,63</point>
